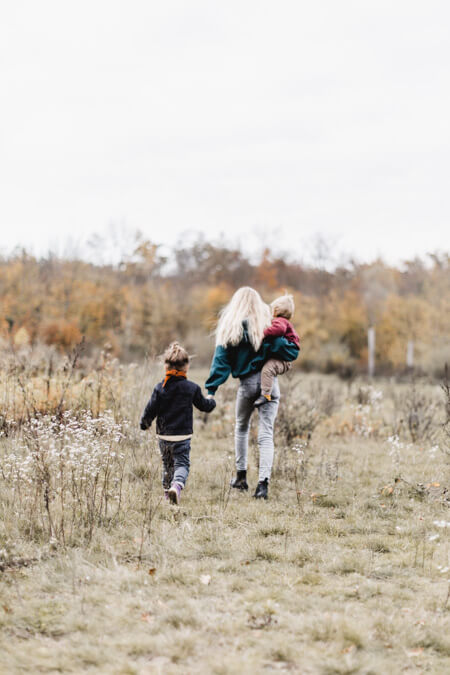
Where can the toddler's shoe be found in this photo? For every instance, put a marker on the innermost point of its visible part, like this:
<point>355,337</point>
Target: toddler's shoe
<point>166,495</point>
<point>174,493</point>
<point>262,489</point>
<point>261,400</point>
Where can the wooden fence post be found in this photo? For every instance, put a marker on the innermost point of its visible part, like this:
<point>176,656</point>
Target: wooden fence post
<point>371,347</point>
<point>410,354</point>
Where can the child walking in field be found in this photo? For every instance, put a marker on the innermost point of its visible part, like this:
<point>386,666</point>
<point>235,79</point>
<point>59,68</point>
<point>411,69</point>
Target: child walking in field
<point>282,310</point>
<point>171,403</point>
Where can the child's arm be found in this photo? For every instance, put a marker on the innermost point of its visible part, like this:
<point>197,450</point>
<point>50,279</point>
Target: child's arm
<point>276,329</point>
<point>220,370</point>
<point>202,403</point>
<point>151,410</point>
<point>293,336</point>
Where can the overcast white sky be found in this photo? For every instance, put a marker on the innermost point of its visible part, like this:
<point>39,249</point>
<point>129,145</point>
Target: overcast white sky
<point>240,116</point>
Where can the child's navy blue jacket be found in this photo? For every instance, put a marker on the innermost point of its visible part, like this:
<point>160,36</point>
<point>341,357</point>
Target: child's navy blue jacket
<point>172,407</point>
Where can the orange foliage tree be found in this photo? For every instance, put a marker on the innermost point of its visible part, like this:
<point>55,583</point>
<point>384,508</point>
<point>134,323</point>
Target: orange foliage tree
<point>140,303</point>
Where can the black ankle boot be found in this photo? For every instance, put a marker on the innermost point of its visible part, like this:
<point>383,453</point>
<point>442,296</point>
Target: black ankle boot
<point>262,489</point>
<point>240,482</point>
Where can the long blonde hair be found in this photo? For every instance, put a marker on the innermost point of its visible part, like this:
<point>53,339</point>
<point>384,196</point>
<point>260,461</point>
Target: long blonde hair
<point>247,304</point>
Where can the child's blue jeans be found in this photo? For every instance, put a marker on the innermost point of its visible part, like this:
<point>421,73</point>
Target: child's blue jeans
<point>176,462</point>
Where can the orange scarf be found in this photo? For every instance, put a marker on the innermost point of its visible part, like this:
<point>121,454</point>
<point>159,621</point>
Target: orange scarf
<point>173,373</point>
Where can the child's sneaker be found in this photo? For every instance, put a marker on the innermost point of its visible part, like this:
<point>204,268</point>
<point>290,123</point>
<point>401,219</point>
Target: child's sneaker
<point>261,400</point>
<point>166,495</point>
<point>174,493</point>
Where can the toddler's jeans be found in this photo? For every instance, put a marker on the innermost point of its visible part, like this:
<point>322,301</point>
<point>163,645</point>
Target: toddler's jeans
<point>271,369</point>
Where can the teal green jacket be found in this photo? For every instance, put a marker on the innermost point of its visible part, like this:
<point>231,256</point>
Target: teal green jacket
<point>242,360</point>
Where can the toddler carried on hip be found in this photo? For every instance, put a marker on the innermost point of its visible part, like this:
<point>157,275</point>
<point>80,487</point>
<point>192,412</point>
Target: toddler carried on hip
<point>172,404</point>
<point>282,310</point>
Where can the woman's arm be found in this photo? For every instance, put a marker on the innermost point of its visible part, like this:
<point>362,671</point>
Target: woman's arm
<point>220,370</point>
<point>284,350</point>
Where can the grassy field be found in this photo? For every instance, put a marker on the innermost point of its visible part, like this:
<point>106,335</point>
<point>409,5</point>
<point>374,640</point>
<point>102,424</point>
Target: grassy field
<point>344,570</point>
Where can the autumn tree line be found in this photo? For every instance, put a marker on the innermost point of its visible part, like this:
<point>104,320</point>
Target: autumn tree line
<point>138,304</point>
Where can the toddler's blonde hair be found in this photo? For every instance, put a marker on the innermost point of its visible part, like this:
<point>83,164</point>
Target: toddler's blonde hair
<point>283,306</point>
<point>176,356</point>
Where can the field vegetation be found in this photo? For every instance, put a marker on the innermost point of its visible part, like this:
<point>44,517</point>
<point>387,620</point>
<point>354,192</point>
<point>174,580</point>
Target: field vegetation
<point>344,570</point>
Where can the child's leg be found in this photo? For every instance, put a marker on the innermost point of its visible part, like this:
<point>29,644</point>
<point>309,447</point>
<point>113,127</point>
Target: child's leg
<point>165,448</point>
<point>181,451</point>
<point>271,369</point>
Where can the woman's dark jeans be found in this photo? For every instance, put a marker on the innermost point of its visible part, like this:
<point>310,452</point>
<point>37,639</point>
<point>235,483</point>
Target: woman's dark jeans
<point>248,392</point>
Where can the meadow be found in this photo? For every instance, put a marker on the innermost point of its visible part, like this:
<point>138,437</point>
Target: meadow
<point>345,569</point>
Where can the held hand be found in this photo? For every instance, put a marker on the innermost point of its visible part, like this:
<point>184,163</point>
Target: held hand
<point>210,396</point>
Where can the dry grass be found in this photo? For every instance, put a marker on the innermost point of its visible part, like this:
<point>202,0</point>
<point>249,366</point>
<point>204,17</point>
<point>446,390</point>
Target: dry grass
<point>344,570</point>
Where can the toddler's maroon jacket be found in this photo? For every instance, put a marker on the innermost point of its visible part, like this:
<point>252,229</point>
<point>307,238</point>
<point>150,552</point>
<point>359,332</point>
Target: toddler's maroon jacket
<point>281,327</point>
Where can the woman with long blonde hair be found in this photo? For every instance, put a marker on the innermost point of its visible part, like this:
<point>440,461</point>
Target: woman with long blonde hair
<point>241,352</point>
